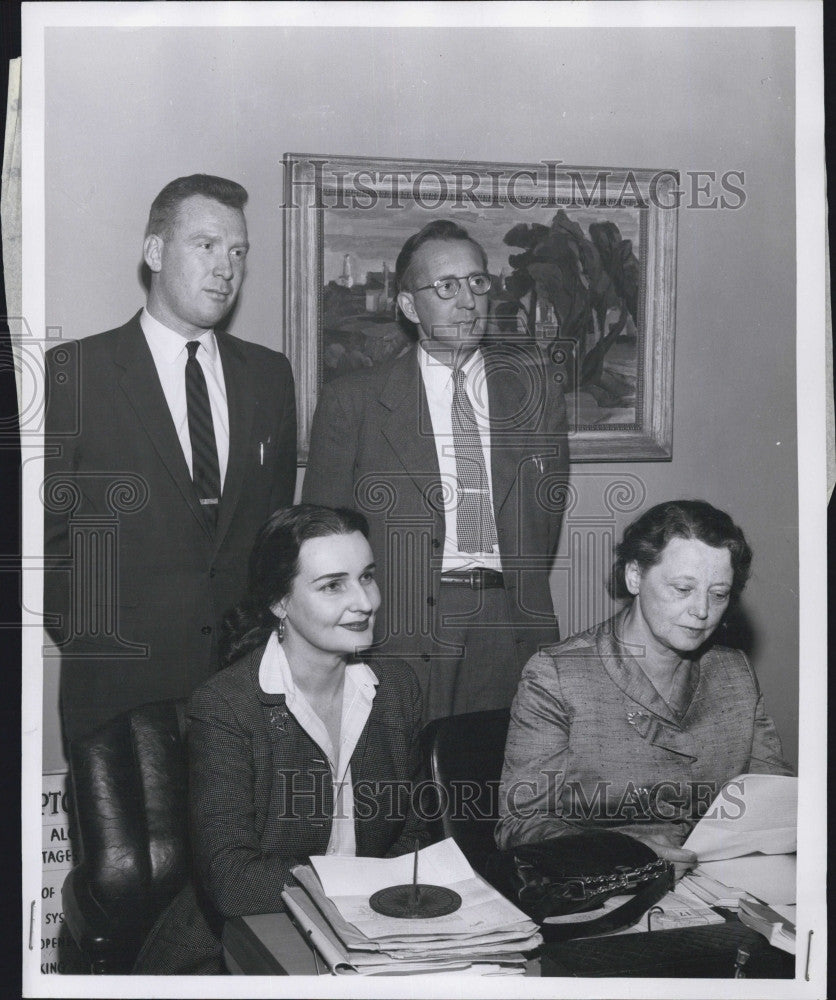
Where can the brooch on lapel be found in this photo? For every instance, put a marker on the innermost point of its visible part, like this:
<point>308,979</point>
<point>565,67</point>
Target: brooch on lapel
<point>640,721</point>
<point>659,735</point>
<point>278,718</point>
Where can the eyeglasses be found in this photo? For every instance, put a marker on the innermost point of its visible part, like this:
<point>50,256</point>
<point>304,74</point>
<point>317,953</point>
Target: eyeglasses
<point>448,288</point>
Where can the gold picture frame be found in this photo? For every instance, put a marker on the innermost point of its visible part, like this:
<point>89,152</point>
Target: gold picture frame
<point>583,261</point>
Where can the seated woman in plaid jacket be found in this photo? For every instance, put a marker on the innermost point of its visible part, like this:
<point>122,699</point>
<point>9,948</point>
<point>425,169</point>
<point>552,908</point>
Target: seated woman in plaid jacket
<point>298,747</point>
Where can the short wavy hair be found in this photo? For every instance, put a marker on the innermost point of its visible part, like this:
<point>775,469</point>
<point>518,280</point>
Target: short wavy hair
<point>443,230</point>
<point>166,205</point>
<point>273,566</point>
<point>645,540</point>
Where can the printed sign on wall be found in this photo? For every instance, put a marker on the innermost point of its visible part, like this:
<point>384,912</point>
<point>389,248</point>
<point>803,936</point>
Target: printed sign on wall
<point>58,950</point>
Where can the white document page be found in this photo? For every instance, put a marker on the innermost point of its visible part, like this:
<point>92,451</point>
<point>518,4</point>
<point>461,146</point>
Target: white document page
<point>438,864</point>
<point>752,813</point>
<point>770,877</point>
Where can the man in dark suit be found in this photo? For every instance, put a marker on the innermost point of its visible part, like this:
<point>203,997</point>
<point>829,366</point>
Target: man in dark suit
<point>456,453</point>
<point>169,442</point>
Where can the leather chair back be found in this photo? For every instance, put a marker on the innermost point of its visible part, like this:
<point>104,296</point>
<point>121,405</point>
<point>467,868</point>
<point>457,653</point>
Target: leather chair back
<point>464,754</point>
<point>130,796</point>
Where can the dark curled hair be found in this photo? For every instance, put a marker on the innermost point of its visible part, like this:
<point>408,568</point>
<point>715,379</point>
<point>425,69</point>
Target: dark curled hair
<point>166,205</point>
<point>444,230</point>
<point>645,539</point>
<point>274,563</point>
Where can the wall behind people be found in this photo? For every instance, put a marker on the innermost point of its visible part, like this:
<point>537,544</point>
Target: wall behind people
<point>127,110</point>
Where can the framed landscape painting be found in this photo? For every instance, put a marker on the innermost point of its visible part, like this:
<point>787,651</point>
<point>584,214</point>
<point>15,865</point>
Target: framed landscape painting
<point>582,261</point>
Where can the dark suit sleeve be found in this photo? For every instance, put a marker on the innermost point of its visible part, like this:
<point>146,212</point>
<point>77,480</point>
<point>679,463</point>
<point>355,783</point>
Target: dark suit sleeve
<point>62,425</point>
<point>238,877</point>
<point>329,478</point>
<point>284,482</point>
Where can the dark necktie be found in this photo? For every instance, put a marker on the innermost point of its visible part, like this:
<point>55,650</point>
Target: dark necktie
<point>205,472</point>
<point>475,527</point>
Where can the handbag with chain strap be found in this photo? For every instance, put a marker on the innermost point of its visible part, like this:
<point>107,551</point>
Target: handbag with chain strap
<point>577,873</point>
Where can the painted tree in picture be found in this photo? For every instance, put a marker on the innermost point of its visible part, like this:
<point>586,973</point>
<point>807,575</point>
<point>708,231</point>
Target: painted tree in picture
<point>588,286</point>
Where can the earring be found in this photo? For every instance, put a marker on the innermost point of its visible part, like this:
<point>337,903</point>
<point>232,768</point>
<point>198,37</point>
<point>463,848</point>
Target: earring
<point>280,629</point>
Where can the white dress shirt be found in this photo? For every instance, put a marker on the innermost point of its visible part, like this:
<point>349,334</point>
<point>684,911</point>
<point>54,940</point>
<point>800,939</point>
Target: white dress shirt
<point>168,349</point>
<point>438,385</point>
<point>359,688</point>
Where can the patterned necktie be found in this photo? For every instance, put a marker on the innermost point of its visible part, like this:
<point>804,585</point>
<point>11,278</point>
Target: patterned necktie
<point>205,472</point>
<point>475,527</point>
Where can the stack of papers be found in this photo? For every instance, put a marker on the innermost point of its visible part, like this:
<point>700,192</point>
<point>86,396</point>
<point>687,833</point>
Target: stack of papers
<point>487,934</point>
<point>677,908</point>
<point>777,924</point>
<point>770,877</point>
<point>746,841</point>
<point>711,891</point>
<point>745,844</point>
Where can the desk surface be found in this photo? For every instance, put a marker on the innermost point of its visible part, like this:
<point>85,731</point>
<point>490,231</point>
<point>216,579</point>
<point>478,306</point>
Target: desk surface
<point>270,944</point>
<point>688,953</point>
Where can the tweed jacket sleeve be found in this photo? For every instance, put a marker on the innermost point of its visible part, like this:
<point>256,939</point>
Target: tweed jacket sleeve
<point>536,754</point>
<point>225,759</point>
<point>335,435</point>
<point>414,827</point>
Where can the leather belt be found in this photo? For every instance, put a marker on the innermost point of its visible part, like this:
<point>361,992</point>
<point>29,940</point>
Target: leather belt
<point>476,579</point>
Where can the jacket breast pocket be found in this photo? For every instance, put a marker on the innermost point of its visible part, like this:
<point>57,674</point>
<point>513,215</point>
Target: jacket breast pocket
<point>542,483</point>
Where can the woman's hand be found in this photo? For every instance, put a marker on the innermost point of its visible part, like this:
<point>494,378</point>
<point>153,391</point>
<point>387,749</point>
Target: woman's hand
<point>666,849</point>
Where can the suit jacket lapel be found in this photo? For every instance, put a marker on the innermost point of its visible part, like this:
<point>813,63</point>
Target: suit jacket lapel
<point>651,719</point>
<point>403,395</point>
<point>620,663</point>
<point>241,406</point>
<point>141,385</point>
<point>506,398</point>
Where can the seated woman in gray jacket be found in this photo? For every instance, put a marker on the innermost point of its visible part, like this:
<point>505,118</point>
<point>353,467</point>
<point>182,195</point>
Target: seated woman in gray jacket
<point>297,747</point>
<point>636,724</point>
